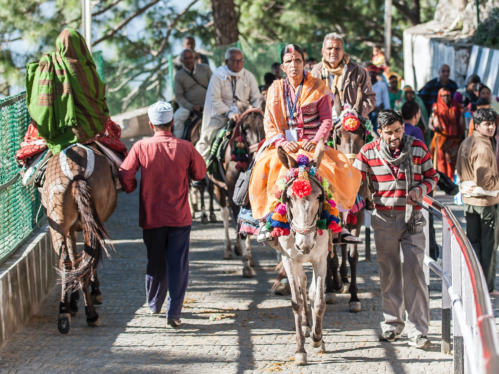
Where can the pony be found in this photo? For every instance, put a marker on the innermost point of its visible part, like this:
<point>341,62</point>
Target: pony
<point>79,194</point>
<point>350,143</point>
<point>304,245</point>
<point>250,128</point>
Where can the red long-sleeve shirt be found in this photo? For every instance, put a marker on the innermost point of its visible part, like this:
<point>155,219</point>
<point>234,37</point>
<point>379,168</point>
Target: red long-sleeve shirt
<point>165,162</point>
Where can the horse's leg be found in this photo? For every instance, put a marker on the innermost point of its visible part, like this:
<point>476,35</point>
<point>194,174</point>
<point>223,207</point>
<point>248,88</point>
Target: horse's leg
<point>318,303</point>
<point>96,295</point>
<point>92,316</point>
<point>75,294</point>
<point>204,216</point>
<point>222,200</point>
<point>305,323</point>
<point>344,269</point>
<point>353,260</point>
<point>213,217</point>
<point>333,263</point>
<point>60,246</point>
<point>331,274</point>
<point>238,247</point>
<point>297,305</point>
<point>247,270</point>
<point>248,250</point>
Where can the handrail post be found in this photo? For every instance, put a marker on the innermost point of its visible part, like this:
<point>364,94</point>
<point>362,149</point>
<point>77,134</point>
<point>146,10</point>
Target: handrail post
<point>457,289</point>
<point>446,301</point>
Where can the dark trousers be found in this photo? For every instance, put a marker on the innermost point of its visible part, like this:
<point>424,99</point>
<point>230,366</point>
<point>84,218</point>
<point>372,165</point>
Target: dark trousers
<point>167,267</point>
<point>482,229</point>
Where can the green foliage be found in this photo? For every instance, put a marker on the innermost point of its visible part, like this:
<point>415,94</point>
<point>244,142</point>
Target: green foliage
<point>487,32</point>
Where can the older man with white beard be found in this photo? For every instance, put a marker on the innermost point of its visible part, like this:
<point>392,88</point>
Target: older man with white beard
<point>228,84</point>
<point>336,70</point>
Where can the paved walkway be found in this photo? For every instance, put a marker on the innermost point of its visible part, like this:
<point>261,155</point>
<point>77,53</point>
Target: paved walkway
<point>254,335</point>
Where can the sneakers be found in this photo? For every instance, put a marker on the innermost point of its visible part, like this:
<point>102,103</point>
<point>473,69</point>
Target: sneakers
<point>174,322</point>
<point>421,342</point>
<point>388,336</point>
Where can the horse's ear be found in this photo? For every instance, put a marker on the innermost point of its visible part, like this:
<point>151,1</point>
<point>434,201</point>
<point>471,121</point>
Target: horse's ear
<point>286,161</point>
<point>319,154</point>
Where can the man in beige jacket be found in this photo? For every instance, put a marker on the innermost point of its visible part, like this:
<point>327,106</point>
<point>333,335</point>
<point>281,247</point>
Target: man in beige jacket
<point>191,83</point>
<point>337,71</point>
<point>477,170</point>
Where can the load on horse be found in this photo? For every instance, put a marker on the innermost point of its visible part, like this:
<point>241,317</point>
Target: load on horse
<point>72,151</point>
<point>298,187</point>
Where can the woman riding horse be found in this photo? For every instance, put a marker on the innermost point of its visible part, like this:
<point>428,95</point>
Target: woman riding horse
<point>297,117</point>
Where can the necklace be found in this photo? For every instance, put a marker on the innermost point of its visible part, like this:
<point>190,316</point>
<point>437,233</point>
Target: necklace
<point>292,113</point>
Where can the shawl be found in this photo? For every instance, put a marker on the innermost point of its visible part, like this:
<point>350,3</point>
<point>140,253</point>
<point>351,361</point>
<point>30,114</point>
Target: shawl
<point>65,96</point>
<point>338,72</point>
<point>448,115</point>
<point>275,112</point>
<point>405,162</point>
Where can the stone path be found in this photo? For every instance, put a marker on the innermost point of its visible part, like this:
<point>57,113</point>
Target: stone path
<point>254,335</point>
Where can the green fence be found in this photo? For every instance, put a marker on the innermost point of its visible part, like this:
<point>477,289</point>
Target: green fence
<point>132,84</point>
<point>19,206</point>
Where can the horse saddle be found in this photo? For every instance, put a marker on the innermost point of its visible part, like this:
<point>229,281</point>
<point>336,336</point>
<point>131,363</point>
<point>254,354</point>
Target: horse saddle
<point>194,120</point>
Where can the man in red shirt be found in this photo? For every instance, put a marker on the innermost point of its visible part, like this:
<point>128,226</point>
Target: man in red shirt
<point>164,214</point>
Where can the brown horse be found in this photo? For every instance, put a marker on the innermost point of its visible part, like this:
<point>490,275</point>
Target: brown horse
<point>350,143</point>
<point>194,134</point>
<point>252,131</point>
<point>76,198</point>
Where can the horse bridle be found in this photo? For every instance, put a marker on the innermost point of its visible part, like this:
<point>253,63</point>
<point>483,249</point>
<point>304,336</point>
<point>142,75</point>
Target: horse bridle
<point>304,230</point>
<point>350,156</point>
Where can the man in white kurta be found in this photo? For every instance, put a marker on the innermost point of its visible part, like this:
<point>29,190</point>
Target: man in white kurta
<point>228,85</point>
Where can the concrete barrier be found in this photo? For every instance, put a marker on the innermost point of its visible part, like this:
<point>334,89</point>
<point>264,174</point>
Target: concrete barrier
<point>134,123</point>
<point>25,279</point>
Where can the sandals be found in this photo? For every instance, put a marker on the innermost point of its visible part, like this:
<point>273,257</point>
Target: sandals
<point>346,238</point>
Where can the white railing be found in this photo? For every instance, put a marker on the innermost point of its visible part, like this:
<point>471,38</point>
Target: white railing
<point>465,295</point>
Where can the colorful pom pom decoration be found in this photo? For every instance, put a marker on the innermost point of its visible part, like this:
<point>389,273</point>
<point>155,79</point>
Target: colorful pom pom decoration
<point>350,122</point>
<point>277,222</point>
<point>240,154</point>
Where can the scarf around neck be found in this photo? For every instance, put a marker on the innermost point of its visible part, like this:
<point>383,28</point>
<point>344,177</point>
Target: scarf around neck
<point>338,72</point>
<point>404,161</point>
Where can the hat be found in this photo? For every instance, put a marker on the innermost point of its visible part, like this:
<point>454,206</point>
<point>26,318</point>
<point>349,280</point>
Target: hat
<point>160,113</point>
<point>373,69</point>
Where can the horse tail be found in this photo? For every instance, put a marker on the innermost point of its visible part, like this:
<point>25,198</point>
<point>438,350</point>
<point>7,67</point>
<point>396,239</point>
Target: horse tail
<point>95,236</point>
<point>282,274</point>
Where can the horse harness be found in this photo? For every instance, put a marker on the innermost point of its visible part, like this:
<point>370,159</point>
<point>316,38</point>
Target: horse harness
<point>305,229</point>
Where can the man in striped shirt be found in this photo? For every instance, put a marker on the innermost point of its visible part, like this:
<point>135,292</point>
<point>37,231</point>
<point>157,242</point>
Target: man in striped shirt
<point>401,171</point>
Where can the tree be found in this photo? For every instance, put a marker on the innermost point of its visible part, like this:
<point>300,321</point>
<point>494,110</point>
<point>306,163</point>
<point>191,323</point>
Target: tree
<point>224,22</point>
<point>138,61</point>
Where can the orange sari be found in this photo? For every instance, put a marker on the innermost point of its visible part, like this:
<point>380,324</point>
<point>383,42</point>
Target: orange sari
<point>343,178</point>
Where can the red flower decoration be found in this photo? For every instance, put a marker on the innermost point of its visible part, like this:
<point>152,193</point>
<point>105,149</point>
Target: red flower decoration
<point>351,219</point>
<point>350,122</point>
<point>301,188</point>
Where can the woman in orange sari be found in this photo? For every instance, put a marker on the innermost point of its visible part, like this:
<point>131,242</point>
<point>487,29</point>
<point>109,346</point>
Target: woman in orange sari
<point>297,117</point>
<point>445,121</point>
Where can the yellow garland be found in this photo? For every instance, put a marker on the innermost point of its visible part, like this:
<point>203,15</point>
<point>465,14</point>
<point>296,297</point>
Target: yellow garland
<point>274,205</point>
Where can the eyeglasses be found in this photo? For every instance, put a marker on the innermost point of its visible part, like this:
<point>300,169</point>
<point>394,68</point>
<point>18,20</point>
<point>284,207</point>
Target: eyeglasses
<point>237,62</point>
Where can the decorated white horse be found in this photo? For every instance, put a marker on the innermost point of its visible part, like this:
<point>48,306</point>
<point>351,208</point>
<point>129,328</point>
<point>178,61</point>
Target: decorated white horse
<point>306,243</point>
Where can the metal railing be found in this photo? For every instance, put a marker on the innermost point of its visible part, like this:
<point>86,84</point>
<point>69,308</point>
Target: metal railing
<point>465,297</point>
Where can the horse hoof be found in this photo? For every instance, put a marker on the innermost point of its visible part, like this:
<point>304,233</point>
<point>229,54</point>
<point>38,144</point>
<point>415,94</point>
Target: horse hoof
<point>237,249</point>
<point>354,307</point>
<point>64,323</point>
<point>96,299</point>
<point>204,219</point>
<point>318,344</point>
<point>92,323</point>
<point>306,331</point>
<point>213,218</point>
<point>346,288</point>
<point>301,358</point>
<point>330,298</point>
<point>228,255</point>
<point>247,272</point>
<point>320,347</point>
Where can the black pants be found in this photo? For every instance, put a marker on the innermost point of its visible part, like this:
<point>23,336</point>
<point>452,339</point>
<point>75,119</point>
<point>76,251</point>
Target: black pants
<point>482,229</point>
<point>167,267</point>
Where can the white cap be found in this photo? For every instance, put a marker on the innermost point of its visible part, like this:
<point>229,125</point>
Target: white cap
<point>160,113</point>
